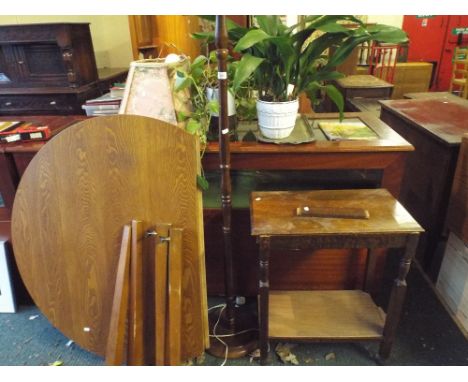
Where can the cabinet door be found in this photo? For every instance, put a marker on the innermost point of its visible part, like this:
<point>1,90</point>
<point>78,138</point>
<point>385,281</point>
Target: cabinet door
<point>40,64</point>
<point>141,31</point>
<point>9,66</point>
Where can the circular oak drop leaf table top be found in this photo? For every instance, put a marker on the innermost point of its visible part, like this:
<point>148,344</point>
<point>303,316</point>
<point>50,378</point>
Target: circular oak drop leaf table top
<point>71,205</point>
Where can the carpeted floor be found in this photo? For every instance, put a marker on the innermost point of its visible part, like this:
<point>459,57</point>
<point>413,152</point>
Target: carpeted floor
<point>426,336</point>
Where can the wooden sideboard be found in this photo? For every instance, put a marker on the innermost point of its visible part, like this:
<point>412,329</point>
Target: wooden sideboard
<point>435,127</point>
<point>384,158</point>
<point>50,69</point>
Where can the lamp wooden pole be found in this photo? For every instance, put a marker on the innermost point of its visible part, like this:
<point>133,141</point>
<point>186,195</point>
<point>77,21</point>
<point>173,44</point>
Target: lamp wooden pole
<point>225,166</point>
<point>231,320</point>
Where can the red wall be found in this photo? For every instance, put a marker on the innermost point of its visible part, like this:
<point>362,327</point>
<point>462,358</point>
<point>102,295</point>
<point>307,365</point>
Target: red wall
<point>431,39</point>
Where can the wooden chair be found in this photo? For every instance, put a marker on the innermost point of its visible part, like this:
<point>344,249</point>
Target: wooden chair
<point>459,80</point>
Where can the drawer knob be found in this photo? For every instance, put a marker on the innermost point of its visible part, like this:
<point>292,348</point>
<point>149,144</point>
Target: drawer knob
<point>53,103</point>
<point>7,103</point>
<point>20,62</point>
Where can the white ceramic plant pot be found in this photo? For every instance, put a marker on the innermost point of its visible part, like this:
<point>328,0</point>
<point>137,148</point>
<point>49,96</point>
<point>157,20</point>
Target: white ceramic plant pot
<point>213,94</point>
<point>277,119</point>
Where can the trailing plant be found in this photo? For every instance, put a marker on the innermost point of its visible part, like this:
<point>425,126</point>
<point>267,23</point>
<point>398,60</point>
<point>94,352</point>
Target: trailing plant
<point>287,61</point>
<point>201,74</point>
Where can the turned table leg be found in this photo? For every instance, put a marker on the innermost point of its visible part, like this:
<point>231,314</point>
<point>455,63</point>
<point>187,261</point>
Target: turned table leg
<point>264,285</point>
<point>397,298</point>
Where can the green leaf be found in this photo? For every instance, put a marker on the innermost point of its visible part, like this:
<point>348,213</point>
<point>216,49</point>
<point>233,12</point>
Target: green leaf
<point>209,36</point>
<point>251,38</point>
<point>387,33</point>
<point>56,363</point>
<point>200,61</point>
<point>318,22</point>
<point>345,49</point>
<point>333,27</point>
<point>246,67</point>
<point>323,75</point>
<point>287,53</point>
<point>183,84</point>
<point>197,74</point>
<point>269,24</point>
<point>193,126</point>
<point>181,116</point>
<point>212,56</point>
<point>336,97</point>
<point>202,183</point>
<point>213,106</point>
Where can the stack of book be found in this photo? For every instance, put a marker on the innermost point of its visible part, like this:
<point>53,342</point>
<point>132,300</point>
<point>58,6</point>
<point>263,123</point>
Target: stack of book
<point>107,104</point>
<point>14,131</point>
<point>117,90</point>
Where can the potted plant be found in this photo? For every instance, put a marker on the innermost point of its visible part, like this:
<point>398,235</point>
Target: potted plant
<point>287,61</point>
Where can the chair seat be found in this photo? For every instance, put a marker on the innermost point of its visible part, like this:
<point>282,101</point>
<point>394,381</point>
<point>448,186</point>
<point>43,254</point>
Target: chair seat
<point>459,81</point>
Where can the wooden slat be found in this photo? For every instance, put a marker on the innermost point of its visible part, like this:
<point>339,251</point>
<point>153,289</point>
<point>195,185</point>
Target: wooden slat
<point>135,338</point>
<point>161,290</point>
<point>173,348</point>
<point>115,351</point>
<point>338,315</point>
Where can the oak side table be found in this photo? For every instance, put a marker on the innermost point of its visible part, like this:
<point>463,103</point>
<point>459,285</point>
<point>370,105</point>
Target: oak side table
<point>281,220</point>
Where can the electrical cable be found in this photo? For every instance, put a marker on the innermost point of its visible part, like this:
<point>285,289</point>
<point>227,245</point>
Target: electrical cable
<point>219,336</point>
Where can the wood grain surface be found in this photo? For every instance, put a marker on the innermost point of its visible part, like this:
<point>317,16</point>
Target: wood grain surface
<point>444,119</point>
<point>115,351</point>
<point>347,314</point>
<point>72,203</point>
<point>274,213</point>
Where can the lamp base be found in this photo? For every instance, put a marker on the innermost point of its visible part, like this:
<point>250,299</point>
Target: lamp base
<point>241,341</point>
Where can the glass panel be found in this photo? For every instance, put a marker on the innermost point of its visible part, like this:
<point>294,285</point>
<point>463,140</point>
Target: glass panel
<point>244,182</point>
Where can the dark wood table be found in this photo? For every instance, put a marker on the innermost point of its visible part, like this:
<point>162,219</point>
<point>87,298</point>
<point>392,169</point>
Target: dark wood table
<point>386,154</point>
<point>431,95</point>
<point>385,157</point>
<point>330,315</point>
<point>363,86</point>
<point>435,127</point>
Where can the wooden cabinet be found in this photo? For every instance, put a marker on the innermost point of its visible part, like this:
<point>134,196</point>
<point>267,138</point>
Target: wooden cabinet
<point>46,68</point>
<point>164,34</point>
<point>434,126</point>
<point>37,55</point>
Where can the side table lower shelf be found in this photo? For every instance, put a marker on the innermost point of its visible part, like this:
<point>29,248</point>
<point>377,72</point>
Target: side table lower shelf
<point>321,315</point>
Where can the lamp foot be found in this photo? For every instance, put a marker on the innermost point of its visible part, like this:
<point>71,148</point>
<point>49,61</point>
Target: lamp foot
<point>240,341</point>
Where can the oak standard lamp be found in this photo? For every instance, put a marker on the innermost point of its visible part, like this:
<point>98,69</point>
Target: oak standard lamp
<point>235,326</point>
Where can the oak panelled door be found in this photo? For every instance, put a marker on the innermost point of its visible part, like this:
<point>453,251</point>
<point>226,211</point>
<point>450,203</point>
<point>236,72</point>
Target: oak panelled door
<point>72,204</point>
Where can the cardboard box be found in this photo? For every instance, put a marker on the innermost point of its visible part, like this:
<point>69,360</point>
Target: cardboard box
<point>452,283</point>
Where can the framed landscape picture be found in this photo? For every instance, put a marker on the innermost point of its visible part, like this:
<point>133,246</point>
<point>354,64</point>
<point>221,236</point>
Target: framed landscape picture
<point>348,129</point>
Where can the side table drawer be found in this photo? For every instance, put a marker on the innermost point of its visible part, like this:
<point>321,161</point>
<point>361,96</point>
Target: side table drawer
<point>37,103</point>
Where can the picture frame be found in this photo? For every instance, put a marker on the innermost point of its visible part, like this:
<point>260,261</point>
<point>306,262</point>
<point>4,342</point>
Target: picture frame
<point>7,298</point>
